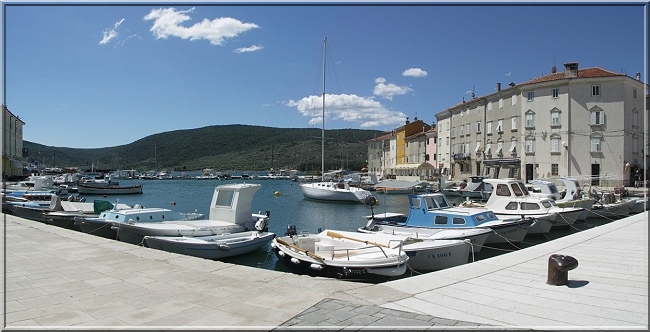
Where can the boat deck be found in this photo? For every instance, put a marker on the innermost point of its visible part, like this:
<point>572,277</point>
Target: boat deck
<point>62,278</point>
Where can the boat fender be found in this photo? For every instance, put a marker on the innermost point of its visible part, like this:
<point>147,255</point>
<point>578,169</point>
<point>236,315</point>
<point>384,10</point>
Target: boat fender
<point>223,246</point>
<point>261,224</point>
<point>316,267</point>
<point>281,253</point>
<point>295,261</point>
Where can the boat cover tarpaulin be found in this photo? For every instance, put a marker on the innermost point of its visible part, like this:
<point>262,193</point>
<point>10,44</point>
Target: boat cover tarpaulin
<point>99,206</point>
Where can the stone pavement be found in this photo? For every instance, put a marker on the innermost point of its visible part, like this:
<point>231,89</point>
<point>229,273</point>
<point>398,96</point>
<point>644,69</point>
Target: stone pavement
<point>62,279</point>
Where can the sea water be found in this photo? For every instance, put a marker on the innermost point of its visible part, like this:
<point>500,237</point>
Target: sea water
<point>287,206</point>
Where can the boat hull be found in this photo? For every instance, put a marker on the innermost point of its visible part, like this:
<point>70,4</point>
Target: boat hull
<point>613,210</point>
<point>135,233</point>
<point>477,237</point>
<point>211,247</point>
<point>324,192</point>
<point>109,190</point>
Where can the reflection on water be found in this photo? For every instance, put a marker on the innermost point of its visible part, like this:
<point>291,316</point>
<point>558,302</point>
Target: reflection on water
<point>290,207</point>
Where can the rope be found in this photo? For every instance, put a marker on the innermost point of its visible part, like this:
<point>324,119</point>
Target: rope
<point>505,238</point>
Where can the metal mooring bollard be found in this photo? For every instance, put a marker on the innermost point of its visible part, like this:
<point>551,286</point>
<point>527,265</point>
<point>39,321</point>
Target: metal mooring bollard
<point>558,269</point>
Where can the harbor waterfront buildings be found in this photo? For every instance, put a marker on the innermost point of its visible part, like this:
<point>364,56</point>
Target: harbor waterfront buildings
<point>585,123</point>
<point>12,144</point>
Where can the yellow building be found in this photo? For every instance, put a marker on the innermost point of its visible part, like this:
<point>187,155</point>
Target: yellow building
<point>12,144</point>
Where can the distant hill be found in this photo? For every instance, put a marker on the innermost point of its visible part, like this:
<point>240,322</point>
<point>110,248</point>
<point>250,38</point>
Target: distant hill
<point>227,147</point>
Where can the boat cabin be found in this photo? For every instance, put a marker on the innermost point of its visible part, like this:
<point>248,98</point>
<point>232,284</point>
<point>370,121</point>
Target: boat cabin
<point>544,188</point>
<point>433,210</point>
<point>511,194</point>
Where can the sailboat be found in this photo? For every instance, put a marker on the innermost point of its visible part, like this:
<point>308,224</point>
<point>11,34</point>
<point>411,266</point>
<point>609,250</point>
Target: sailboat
<point>330,190</point>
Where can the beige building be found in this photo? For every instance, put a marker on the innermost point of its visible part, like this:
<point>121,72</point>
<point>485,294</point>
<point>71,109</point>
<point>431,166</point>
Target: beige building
<point>585,123</point>
<point>12,144</point>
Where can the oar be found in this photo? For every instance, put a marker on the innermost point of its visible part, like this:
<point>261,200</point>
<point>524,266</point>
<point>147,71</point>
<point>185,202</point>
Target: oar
<point>280,241</point>
<point>340,236</point>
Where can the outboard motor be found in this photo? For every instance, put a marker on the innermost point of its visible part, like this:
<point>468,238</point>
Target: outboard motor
<point>291,230</point>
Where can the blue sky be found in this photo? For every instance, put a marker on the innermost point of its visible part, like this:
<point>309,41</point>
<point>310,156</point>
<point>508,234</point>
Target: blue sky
<point>92,76</point>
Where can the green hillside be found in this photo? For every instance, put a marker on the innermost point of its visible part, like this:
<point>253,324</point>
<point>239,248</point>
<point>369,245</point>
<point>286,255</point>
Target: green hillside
<point>227,147</point>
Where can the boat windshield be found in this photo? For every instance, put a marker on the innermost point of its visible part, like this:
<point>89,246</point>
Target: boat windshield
<point>442,202</point>
<point>516,189</point>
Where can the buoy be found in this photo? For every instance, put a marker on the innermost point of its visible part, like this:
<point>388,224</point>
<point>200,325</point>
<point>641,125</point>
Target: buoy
<point>277,193</point>
<point>172,203</point>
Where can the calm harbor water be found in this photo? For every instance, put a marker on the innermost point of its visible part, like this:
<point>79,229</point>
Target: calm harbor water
<point>290,207</point>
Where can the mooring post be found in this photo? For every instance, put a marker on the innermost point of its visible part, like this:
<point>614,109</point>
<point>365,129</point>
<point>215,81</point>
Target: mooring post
<point>558,269</point>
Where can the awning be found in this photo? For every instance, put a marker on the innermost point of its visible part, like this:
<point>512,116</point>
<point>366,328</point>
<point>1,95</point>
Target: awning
<point>415,166</point>
<point>499,162</point>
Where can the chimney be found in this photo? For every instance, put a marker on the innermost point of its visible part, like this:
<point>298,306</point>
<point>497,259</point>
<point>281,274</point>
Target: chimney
<point>570,69</point>
<point>498,87</point>
<point>638,76</point>
<point>407,120</point>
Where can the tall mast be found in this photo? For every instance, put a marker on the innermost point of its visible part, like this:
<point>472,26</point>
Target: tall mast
<point>322,148</point>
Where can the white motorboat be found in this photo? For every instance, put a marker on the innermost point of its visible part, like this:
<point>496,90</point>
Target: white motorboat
<point>510,198</point>
<point>211,247</point>
<point>230,212</point>
<point>640,204</point>
<point>103,225</point>
<point>573,195</point>
<point>425,254</point>
<point>331,255</point>
<point>70,211</point>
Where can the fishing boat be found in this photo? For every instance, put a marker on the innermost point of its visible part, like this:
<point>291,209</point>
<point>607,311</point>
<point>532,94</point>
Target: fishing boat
<point>211,247</point>
<point>230,212</point>
<point>476,188</point>
<point>330,254</point>
<point>425,254</point>
<point>573,195</point>
<point>85,189</point>
<point>330,190</point>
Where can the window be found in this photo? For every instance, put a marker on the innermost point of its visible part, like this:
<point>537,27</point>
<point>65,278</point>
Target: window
<point>500,126</point>
<point>513,123</point>
<point>595,144</point>
<point>530,120</point>
<point>529,206</point>
<point>635,118</point>
<point>440,220</point>
<point>554,170</point>
<point>634,93</point>
<point>452,132</point>
<point>502,190</point>
<point>458,221</point>
<point>635,145</point>
<point>516,189</point>
<point>478,127</point>
<point>555,145</point>
<point>478,147</point>
<point>513,100</point>
<point>500,147</point>
<point>501,103</point>
<point>488,128</point>
<point>512,206</point>
<point>462,131</point>
<point>447,139</point>
<point>489,105</point>
<point>597,117</point>
<point>555,93</point>
<point>595,90</point>
<point>530,145</point>
<point>531,95</point>
<point>555,118</point>
<point>467,129</point>
<point>488,148</point>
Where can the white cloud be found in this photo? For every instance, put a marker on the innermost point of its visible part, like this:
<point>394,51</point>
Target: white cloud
<point>111,33</point>
<point>415,72</point>
<point>366,112</point>
<point>387,91</point>
<point>167,22</point>
<point>252,48</point>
